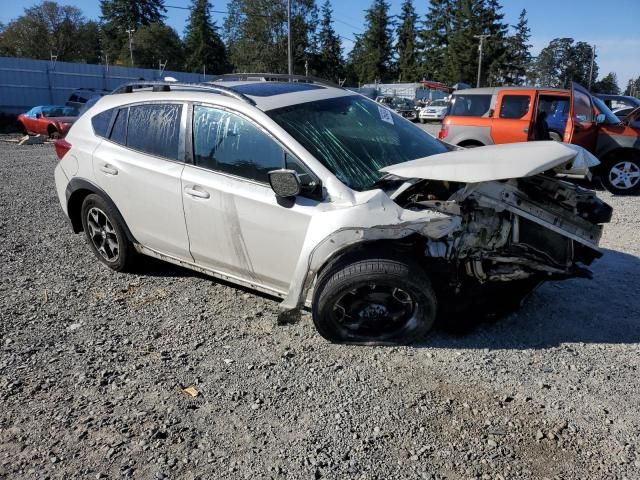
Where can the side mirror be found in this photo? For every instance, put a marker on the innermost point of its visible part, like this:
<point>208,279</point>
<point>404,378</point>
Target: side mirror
<point>600,118</point>
<point>285,183</point>
<point>38,115</point>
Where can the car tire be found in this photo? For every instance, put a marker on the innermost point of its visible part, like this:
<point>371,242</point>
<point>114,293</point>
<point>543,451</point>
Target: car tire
<point>379,301</point>
<point>54,134</point>
<point>105,234</point>
<point>422,120</point>
<point>621,176</point>
<point>555,136</point>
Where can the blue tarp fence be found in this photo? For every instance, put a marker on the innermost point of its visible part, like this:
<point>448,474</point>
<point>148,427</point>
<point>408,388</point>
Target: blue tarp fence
<point>25,83</point>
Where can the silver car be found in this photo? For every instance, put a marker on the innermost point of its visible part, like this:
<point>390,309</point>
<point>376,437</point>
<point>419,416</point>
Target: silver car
<point>325,199</point>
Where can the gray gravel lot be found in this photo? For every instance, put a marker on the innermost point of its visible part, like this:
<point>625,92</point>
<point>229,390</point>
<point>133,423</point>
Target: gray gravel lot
<point>92,364</point>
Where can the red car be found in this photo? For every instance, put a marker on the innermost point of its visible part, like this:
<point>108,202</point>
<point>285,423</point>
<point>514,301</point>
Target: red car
<point>51,120</point>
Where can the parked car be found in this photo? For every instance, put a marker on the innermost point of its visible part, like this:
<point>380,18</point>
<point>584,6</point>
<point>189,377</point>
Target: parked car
<point>488,116</point>
<point>51,120</point>
<point>82,95</point>
<point>436,110</point>
<point>326,199</point>
<point>622,113</point>
<point>402,106</point>
<point>616,102</point>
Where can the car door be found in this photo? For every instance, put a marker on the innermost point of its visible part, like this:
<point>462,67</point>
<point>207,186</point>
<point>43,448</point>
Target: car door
<point>512,118</point>
<point>236,224</point>
<point>581,126</point>
<point>29,119</point>
<point>139,166</point>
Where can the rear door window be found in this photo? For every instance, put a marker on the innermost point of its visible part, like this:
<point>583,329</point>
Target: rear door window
<point>155,129</point>
<point>514,106</point>
<point>471,105</point>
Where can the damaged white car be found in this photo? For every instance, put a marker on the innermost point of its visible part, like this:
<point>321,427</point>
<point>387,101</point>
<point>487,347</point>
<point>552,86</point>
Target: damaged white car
<point>326,199</point>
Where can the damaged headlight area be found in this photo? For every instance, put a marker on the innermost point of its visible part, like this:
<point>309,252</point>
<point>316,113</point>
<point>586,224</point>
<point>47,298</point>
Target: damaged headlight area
<point>516,229</point>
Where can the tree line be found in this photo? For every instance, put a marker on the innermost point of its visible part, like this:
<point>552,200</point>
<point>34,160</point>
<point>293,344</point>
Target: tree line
<point>442,46</point>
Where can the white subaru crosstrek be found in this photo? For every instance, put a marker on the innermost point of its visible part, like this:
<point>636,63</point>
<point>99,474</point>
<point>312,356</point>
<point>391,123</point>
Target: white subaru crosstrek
<point>324,198</point>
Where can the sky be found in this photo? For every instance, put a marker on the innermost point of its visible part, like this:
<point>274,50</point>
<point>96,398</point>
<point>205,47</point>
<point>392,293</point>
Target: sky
<point>611,26</point>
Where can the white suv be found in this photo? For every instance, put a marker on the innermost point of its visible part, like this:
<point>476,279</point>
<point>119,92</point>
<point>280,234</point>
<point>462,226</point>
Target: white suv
<point>326,199</point>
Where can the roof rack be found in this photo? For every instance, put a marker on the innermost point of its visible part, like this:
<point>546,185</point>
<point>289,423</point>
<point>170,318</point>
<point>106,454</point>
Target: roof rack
<point>273,77</point>
<point>166,86</point>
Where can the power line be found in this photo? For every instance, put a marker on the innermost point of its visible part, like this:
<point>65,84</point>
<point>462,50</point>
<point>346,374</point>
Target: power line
<point>253,14</point>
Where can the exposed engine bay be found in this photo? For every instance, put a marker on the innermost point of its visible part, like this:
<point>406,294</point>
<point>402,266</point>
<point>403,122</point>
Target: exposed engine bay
<point>512,229</point>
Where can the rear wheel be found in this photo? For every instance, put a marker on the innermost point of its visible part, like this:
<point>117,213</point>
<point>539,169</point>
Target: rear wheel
<point>53,133</point>
<point>375,302</point>
<point>105,234</point>
<point>555,136</point>
<point>622,175</point>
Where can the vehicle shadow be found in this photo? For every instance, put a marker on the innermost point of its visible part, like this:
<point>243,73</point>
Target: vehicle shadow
<point>603,310</point>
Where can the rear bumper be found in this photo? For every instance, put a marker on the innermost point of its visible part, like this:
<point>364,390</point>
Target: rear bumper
<point>61,181</point>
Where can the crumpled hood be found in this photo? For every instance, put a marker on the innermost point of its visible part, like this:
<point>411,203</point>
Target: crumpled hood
<point>498,162</point>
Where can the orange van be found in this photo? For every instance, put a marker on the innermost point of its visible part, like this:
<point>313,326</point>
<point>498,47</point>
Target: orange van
<point>487,116</point>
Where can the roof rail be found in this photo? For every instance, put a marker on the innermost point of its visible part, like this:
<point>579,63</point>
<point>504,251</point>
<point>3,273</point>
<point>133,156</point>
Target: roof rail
<point>273,77</point>
<point>165,86</point>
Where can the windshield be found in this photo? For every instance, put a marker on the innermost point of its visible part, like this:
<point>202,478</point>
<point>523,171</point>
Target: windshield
<point>439,103</point>
<point>610,117</point>
<point>355,137</point>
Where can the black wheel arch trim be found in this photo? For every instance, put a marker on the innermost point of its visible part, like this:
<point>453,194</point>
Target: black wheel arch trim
<point>79,184</point>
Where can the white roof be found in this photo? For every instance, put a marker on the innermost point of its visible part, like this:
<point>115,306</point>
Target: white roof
<point>263,102</point>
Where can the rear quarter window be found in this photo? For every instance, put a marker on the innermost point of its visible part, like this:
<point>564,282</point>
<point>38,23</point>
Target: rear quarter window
<point>470,105</point>
<point>100,123</point>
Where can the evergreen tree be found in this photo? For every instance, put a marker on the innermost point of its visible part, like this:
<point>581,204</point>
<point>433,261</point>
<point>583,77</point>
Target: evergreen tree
<point>633,87</point>
<point>407,44</point>
<point>471,19</point>
<point>118,16</point>
<point>372,56</point>
<point>156,43</point>
<point>608,84</point>
<point>563,61</point>
<point>518,57</point>
<point>204,49</point>
<point>434,39</point>
<point>494,58</point>
<point>461,62</point>
<point>256,33</point>
<point>330,63</point>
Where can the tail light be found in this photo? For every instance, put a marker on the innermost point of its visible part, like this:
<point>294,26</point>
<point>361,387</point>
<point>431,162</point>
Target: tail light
<point>62,147</point>
<point>444,131</point>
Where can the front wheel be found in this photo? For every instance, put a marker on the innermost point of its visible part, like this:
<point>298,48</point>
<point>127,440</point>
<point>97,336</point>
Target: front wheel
<point>422,120</point>
<point>622,176</point>
<point>374,302</point>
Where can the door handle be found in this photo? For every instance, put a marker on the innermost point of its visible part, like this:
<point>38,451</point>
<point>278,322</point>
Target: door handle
<point>525,130</point>
<point>108,169</point>
<point>196,193</point>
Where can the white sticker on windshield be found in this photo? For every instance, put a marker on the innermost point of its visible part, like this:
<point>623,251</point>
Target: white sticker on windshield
<point>385,115</point>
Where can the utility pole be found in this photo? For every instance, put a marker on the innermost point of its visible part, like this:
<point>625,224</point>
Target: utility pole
<point>593,56</point>
<point>130,32</point>
<point>290,60</point>
<point>482,39</point>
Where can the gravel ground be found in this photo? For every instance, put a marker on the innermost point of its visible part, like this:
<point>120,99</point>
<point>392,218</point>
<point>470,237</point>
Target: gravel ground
<point>92,366</point>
